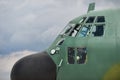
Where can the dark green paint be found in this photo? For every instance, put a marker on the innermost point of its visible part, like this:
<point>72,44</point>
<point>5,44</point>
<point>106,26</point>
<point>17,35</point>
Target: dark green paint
<point>103,52</point>
<point>91,7</point>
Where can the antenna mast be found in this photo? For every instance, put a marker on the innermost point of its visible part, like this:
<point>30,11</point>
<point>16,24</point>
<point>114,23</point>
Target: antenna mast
<point>91,7</point>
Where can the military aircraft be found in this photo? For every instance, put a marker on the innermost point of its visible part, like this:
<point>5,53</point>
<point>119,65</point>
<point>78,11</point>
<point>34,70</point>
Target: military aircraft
<point>88,48</point>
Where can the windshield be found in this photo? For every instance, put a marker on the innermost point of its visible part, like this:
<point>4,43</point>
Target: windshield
<point>67,29</point>
<point>84,31</point>
<point>73,28</point>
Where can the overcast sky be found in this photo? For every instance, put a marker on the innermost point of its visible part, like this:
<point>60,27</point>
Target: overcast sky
<point>29,26</point>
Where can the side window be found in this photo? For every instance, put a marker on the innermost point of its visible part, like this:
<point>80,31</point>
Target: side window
<point>98,30</point>
<point>81,55</point>
<point>90,19</point>
<point>71,55</point>
<point>76,55</point>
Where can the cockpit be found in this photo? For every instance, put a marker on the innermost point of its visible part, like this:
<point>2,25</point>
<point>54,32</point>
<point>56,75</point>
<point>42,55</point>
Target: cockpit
<point>92,26</point>
<point>87,26</point>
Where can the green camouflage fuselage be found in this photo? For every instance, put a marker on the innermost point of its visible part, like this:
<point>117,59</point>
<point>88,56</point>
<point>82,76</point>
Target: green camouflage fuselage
<point>89,49</point>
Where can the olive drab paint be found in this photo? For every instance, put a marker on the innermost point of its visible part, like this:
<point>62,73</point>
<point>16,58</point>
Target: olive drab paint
<point>88,48</point>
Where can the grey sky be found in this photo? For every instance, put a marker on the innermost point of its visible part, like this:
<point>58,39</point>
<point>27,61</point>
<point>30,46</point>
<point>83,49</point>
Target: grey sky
<point>26,23</point>
<point>34,24</point>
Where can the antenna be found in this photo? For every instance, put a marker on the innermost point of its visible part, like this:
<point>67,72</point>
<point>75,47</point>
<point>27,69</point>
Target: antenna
<point>91,7</point>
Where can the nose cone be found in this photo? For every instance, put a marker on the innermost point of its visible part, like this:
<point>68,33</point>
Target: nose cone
<point>34,67</point>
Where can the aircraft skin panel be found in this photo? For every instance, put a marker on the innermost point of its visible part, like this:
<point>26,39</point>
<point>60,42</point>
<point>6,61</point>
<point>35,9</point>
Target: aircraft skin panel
<point>102,57</point>
<point>87,49</point>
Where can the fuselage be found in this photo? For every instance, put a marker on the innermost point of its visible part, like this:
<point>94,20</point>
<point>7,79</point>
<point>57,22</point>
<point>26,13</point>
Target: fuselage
<point>89,47</point>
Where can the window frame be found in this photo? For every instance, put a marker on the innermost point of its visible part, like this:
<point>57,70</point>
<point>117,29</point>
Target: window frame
<point>91,32</point>
<point>98,17</point>
<point>69,56</point>
<point>87,22</point>
<point>76,55</point>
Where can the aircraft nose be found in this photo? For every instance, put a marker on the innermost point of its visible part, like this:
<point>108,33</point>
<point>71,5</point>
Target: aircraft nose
<point>34,67</point>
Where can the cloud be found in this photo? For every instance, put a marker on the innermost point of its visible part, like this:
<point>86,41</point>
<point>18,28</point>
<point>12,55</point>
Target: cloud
<point>30,24</point>
<point>7,62</point>
<point>34,24</point>
<point>22,5</point>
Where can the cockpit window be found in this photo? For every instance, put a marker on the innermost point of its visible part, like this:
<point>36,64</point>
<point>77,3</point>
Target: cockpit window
<point>60,42</point>
<point>77,55</point>
<point>95,28</point>
<point>90,19</point>
<point>72,29</point>
<point>82,20</point>
<point>71,55</point>
<point>100,19</point>
<point>81,55</point>
<point>77,27</point>
<point>85,26</point>
<point>85,31</point>
<point>75,30</point>
<point>98,30</point>
<point>67,29</point>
